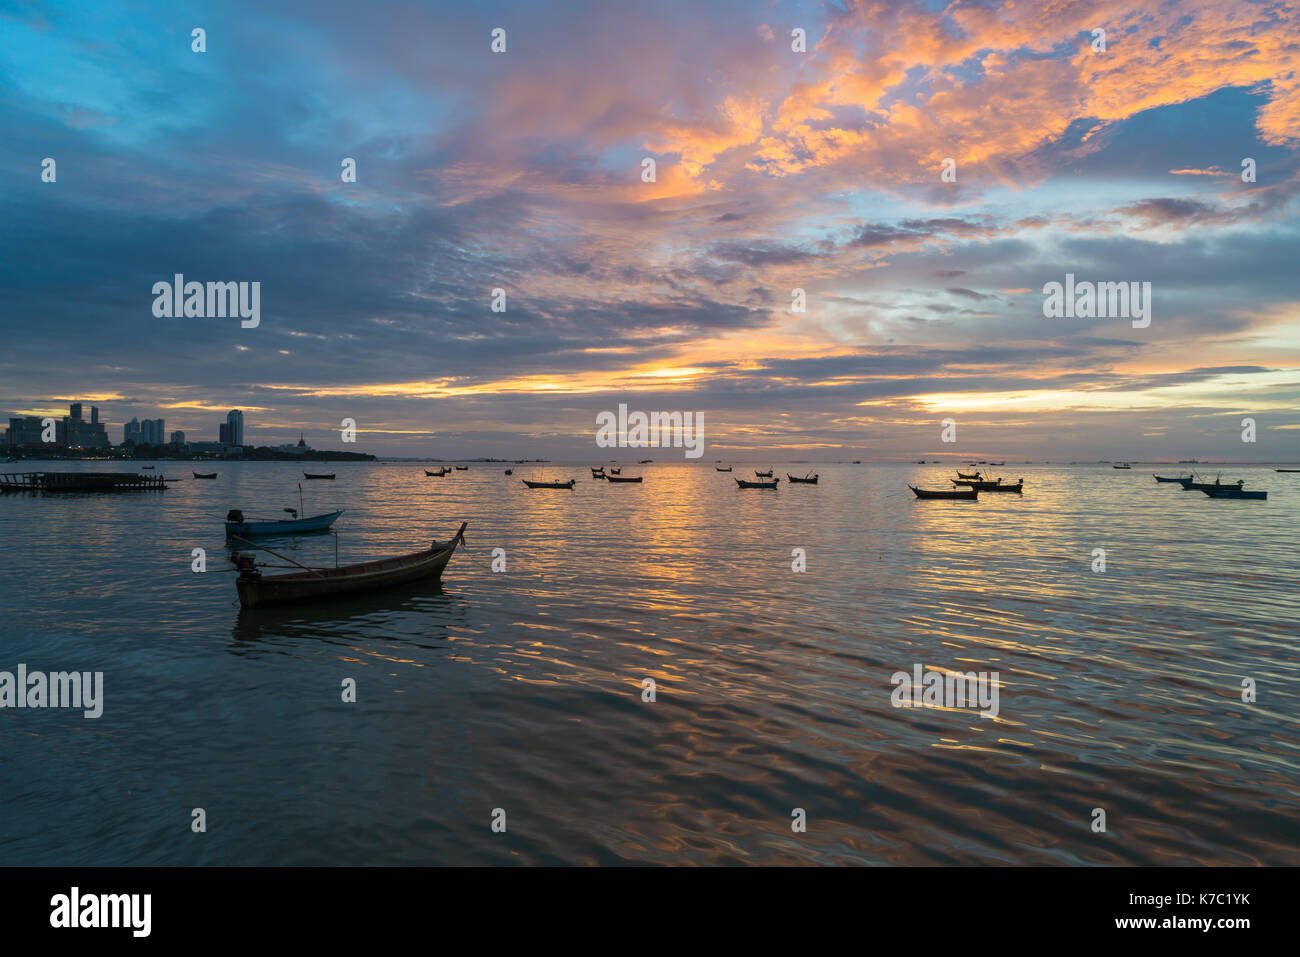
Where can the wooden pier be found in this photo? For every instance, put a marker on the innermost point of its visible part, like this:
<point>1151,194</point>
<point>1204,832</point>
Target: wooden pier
<point>80,482</point>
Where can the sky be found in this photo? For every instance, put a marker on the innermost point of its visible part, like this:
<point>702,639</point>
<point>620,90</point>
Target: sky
<point>774,169</point>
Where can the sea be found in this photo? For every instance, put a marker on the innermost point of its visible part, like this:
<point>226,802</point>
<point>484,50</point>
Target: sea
<point>673,672</point>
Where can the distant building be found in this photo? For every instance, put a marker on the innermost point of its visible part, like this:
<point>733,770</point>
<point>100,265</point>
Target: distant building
<point>235,419</point>
<point>131,432</point>
<point>223,433</point>
<point>79,434</point>
<point>178,438</point>
<point>27,432</point>
<point>302,448</point>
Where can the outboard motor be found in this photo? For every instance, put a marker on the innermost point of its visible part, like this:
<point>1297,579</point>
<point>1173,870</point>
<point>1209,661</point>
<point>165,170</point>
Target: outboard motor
<point>245,564</point>
<point>236,516</point>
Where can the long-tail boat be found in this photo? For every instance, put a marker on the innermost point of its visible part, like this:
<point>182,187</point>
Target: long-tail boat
<point>1176,478</point>
<point>999,486</point>
<point>969,475</point>
<point>1190,484</point>
<point>313,475</point>
<point>623,478</point>
<point>237,525</point>
<point>315,584</point>
<point>806,480</point>
<point>206,475</point>
<point>959,495</point>
<point>569,484</point>
<point>772,484</point>
<point>1233,491</point>
<point>1286,470</point>
<point>438,474</point>
<point>767,474</point>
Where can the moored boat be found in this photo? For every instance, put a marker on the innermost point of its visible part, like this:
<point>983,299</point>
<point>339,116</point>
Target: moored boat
<point>999,486</point>
<point>767,474</point>
<point>1122,465</point>
<point>959,495</point>
<point>1176,478</point>
<point>1190,484</point>
<point>314,584</point>
<point>569,484</point>
<point>510,471</point>
<point>313,475</point>
<point>236,524</point>
<point>203,475</point>
<point>969,475</point>
<point>727,469</point>
<point>772,484</point>
<point>438,474</point>
<point>1232,491</point>
<point>615,471</point>
<point>806,480</point>
<point>623,478</point>
<point>462,468</point>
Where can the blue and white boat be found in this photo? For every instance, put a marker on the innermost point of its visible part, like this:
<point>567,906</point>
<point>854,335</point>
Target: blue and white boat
<point>236,525</point>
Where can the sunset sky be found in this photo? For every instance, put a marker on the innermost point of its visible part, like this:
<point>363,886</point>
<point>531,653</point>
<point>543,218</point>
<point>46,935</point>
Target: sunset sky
<point>775,170</point>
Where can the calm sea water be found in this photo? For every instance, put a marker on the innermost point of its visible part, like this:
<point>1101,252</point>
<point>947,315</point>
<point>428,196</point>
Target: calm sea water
<point>522,690</point>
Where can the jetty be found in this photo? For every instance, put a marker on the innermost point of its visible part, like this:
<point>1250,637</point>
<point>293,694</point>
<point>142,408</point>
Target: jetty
<point>80,482</point>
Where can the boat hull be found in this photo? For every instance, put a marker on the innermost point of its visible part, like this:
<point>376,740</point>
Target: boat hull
<point>299,526</point>
<point>616,479</point>
<point>963,495</point>
<point>256,591</point>
<point>1230,492</point>
<point>743,484</point>
<point>569,484</point>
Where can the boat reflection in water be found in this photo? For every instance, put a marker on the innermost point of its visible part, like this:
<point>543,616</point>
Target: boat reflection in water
<point>420,613</point>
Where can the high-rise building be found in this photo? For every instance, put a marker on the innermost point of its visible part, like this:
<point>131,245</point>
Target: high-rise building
<point>76,412</point>
<point>178,438</point>
<point>94,415</point>
<point>131,432</point>
<point>235,419</point>
<point>223,433</point>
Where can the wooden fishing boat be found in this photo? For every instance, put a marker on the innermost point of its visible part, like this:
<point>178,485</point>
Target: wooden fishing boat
<point>969,475</point>
<point>727,469</point>
<point>461,468</point>
<point>772,484</point>
<point>438,474</point>
<point>1122,465</point>
<point>802,481</point>
<point>1190,484</point>
<point>1000,487</point>
<point>1177,478</point>
<point>313,475</point>
<point>615,471</point>
<point>1286,470</point>
<point>569,484</point>
<point>598,473</point>
<point>623,478</point>
<point>957,495</point>
<point>767,474</point>
<point>236,524</point>
<point>203,475</point>
<point>316,584</point>
<point>1232,491</point>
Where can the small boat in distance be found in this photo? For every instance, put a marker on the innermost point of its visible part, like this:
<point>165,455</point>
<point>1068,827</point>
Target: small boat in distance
<point>968,475</point>
<point>206,475</point>
<point>1286,470</point>
<point>645,461</point>
<point>767,474</point>
<point>806,480</point>
<point>621,478</point>
<point>510,471</point>
<point>1122,465</point>
<point>1177,478</point>
<point>237,525</point>
<point>462,468</point>
<point>958,495</point>
<point>148,466</point>
<point>438,474</point>
<point>1232,491</point>
<point>743,484</point>
<point>313,475</point>
<point>598,473</point>
<point>615,471</point>
<point>728,469</point>
<point>313,584</point>
<point>997,463</point>
<point>569,484</point>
